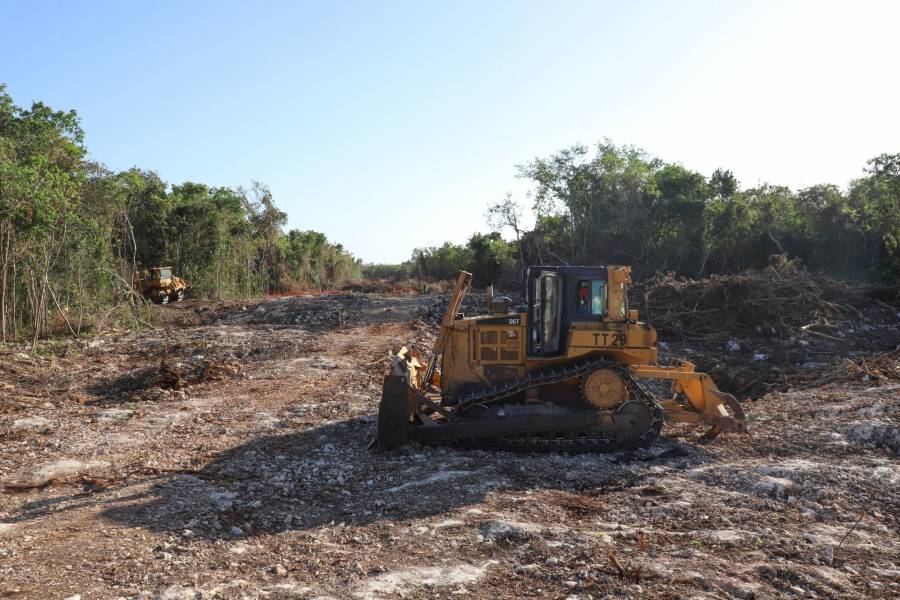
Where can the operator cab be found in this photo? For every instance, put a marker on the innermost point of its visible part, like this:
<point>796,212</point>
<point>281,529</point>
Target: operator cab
<point>556,297</point>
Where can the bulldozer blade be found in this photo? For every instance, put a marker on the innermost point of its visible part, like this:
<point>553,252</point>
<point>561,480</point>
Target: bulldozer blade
<point>393,412</point>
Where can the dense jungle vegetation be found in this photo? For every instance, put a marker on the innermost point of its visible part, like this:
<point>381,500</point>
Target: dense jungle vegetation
<point>72,232</point>
<point>618,205</point>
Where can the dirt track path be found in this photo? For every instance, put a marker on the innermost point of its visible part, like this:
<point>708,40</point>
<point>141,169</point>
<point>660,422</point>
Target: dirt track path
<point>257,483</point>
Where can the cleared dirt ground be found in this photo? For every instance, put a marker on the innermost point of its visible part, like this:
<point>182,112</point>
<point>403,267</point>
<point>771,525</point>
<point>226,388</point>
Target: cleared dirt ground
<point>240,469</point>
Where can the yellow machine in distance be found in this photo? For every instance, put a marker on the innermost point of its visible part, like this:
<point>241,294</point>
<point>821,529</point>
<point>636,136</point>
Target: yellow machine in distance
<point>564,372</point>
<point>159,285</point>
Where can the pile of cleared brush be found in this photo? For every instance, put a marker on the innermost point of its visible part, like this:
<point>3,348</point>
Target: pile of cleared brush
<point>775,327</point>
<point>781,301</point>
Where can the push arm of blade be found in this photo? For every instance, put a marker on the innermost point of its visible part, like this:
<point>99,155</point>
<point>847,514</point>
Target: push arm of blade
<point>463,279</point>
<point>432,406</point>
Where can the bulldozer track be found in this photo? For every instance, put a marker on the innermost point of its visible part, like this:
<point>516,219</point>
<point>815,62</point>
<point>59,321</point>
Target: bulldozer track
<point>570,444</point>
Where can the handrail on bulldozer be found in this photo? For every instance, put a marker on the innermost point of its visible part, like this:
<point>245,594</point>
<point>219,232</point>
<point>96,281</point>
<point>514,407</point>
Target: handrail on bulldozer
<point>460,287</point>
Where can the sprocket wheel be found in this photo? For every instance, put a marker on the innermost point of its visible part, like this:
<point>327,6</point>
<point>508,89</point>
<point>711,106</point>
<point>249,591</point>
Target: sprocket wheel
<point>604,389</point>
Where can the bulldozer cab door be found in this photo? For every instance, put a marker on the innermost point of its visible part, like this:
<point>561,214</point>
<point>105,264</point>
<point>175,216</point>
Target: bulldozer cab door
<point>545,314</point>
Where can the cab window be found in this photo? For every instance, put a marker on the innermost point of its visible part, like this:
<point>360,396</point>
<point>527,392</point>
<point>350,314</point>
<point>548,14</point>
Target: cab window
<point>590,298</point>
<point>551,311</point>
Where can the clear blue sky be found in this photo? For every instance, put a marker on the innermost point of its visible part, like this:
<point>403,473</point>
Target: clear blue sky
<point>390,125</point>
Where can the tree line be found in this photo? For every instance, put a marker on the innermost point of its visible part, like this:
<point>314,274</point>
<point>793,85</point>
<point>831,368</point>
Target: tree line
<point>618,205</point>
<point>72,232</point>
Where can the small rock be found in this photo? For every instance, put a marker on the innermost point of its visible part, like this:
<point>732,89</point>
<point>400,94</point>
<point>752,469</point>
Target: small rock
<point>62,468</point>
<point>509,531</point>
<point>156,394</point>
<point>32,424</point>
<point>237,531</point>
<point>775,486</point>
<point>222,500</point>
<point>113,414</point>
<point>279,570</point>
<point>321,362</point>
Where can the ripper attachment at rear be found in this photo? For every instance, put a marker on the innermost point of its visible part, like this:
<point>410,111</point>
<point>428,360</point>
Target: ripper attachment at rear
<point>564,372</point>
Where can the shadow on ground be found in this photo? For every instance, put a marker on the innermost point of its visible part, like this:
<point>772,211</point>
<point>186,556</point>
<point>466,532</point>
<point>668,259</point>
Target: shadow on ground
<point>123,387</point>
<point>327,475</point>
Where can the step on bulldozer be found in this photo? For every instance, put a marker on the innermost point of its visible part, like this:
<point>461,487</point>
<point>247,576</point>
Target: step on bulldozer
<point>159,285</point>
<point>565,372</point>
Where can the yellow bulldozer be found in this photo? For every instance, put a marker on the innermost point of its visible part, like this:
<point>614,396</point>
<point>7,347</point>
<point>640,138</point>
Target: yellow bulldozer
<point>565,372</point>
<point>159,285</point>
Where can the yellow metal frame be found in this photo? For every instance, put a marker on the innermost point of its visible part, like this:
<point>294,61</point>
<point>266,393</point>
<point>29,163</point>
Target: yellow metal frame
<point>707,402</point>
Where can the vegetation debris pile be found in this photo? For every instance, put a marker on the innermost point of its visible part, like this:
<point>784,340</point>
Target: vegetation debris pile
<point>765,329</point>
